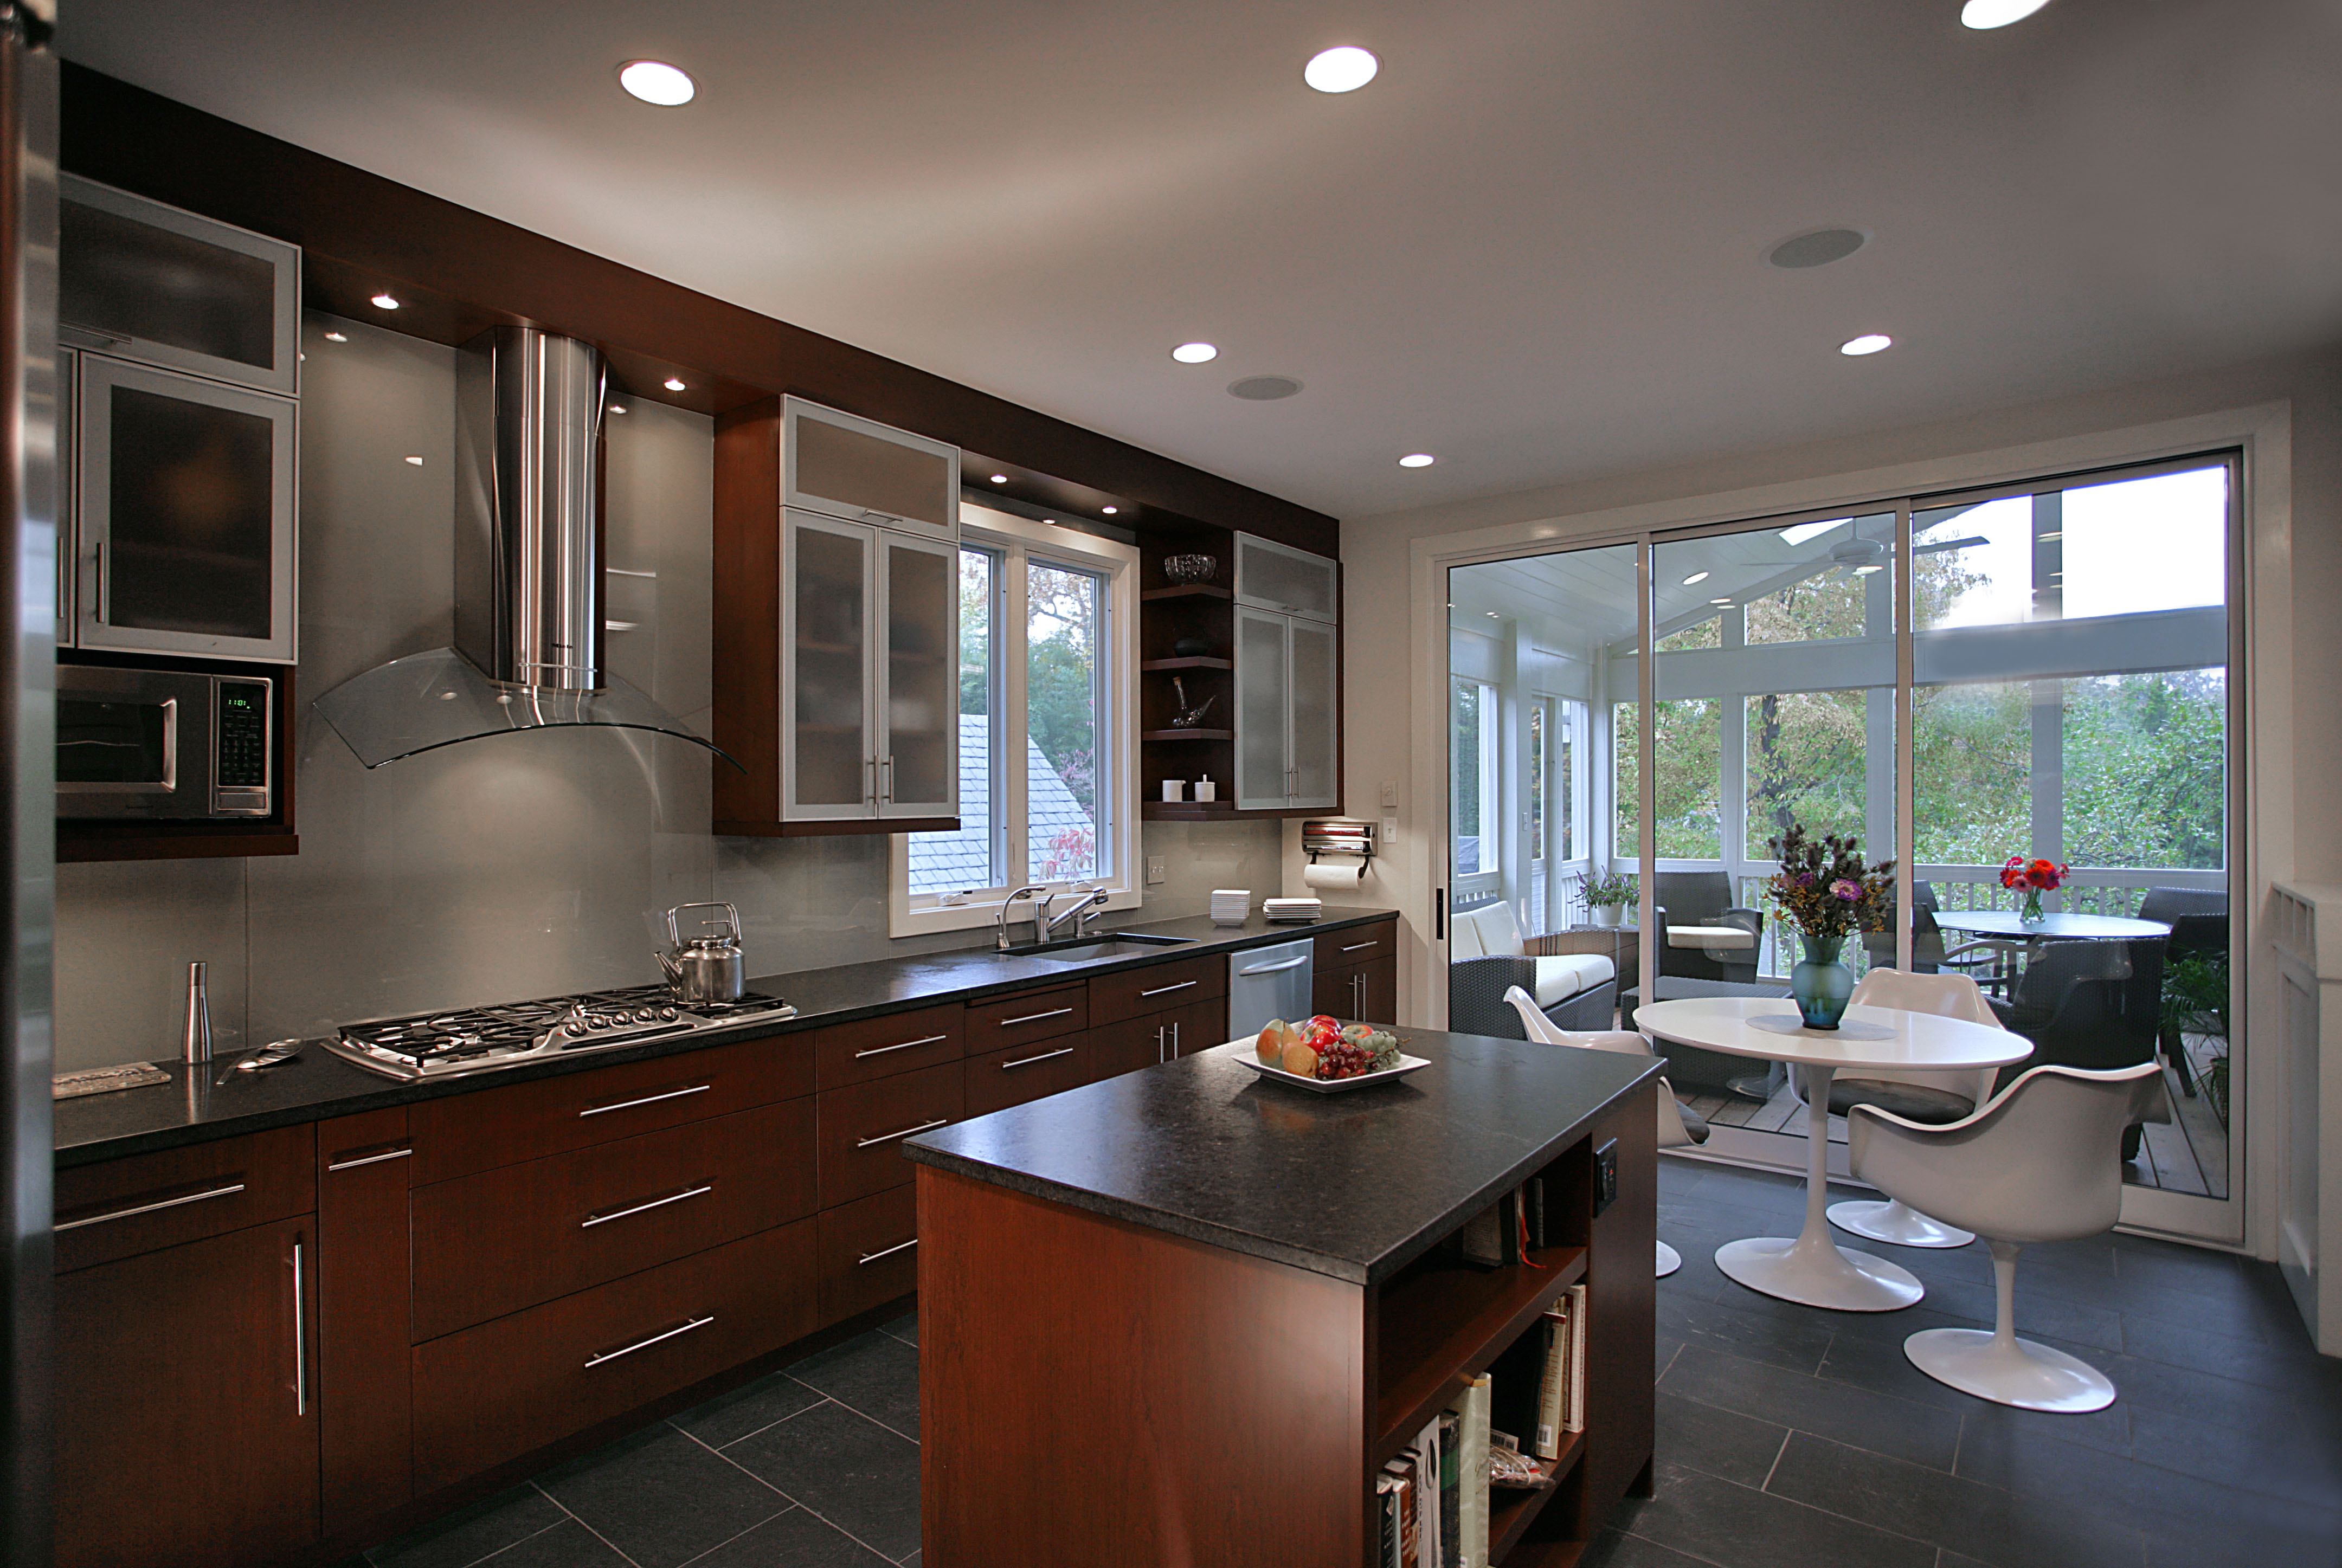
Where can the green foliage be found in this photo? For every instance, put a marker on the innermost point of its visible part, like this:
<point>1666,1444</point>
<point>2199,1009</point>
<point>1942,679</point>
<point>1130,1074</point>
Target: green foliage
<point>2146,767</point>
<point>2195,994</point>
<point>1687,746</point>
<point>1825,890</point>
<point>1609,888</point>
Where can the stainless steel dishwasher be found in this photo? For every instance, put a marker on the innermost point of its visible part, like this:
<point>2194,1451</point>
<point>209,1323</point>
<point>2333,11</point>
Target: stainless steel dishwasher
<point>1266,983</point>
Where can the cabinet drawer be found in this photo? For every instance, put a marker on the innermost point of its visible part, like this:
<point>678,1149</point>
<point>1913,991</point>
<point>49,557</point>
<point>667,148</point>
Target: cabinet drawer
<point>882,1047</point>
<point>496,1392</point>
<point>860,1130</point>
<point>1005,1021</point>
<point>501,1240</point>
<point>999,1079</point>
<point>1157,988</point>
<point>869,1253</point>
<point>125,1207</point>
<point>1355,945</point>
<point>478,1132</point>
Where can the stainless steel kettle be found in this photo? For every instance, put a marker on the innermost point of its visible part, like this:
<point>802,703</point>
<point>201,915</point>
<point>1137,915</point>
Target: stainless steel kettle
<point>709,968</point>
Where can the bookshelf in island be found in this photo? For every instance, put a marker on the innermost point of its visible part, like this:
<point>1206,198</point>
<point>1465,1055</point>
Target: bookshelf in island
<point>1185,1316</point>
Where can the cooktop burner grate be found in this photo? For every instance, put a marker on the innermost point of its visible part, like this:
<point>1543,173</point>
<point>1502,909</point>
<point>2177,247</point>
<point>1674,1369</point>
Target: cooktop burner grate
<point>506,1034</point>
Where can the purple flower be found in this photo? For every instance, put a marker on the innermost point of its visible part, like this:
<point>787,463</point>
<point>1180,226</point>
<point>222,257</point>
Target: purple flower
<point>1848,891</point>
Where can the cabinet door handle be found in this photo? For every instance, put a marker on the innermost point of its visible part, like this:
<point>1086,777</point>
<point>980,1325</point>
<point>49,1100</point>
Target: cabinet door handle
<point>1166,990</point>
<point>1036,1017</point>
<point>1044,1056</point>
<point>886,1252</point>
<point>1175,1041</point>
<point>590,1221</point>
<point>646,1343</point>
<point>300,1342</point>
<point>369,1160</point>
<point>150,1208</point>
<point>887,790</point>
<point>1358,996</point>
<point>105,599</point>
<point>890,1137</point>
<point>648,1099</point>
<point>906,1045</point>
<point>1160,1048</point>
<point>1360,946</point>
<point>870,785</point>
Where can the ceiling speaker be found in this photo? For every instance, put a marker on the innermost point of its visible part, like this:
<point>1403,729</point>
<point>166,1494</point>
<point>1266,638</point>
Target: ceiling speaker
<point>1263,388</point>
<point>1819,248</point>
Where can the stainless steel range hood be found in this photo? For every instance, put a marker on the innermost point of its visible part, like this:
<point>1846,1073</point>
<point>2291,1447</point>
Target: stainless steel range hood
<point>528,569</point>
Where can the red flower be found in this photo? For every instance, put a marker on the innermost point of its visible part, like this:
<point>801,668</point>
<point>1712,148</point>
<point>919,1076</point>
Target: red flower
<point>2046,876</point>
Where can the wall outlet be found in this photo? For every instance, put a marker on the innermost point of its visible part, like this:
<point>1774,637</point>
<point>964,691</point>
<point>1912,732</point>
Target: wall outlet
<point>1390,793</point>
<point>1154,871</point>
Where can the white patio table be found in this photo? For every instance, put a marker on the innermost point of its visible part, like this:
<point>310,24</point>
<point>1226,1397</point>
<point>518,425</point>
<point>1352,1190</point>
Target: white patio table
<point>1811,1268</point>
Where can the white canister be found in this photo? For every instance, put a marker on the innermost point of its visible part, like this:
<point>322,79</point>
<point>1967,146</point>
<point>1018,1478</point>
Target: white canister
<point>1205,789</point>
<point>1174,789</point>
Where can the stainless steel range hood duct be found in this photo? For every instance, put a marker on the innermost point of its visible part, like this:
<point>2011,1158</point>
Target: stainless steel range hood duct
<point>529,568</point>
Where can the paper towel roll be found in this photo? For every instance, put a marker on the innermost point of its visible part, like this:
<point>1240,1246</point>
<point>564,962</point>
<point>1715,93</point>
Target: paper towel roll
<point>1316,875</point>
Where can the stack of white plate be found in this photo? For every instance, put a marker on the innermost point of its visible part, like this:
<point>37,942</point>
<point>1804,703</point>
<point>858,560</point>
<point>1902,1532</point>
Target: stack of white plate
<point>1230,905</point>
<point>1293,908</point>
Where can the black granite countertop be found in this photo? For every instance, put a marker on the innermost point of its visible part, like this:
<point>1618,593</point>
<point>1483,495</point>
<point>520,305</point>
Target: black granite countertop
<point>319,1084</point>
<point>1351,1185</point>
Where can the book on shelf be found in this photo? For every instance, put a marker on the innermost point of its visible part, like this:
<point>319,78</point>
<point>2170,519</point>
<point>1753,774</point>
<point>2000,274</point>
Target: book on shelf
<point>1573,1420</point>
<point>1552,1380</point>
<point>1386,1511</point>
<point>1400,1474</point>
<point>1427,1455</point>
<point>1471,1410</point>
<point>1491,1237</point>
<point>1451,1491</point>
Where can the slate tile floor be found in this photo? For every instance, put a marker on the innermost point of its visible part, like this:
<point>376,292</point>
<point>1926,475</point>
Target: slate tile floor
<point>1788,1437</point>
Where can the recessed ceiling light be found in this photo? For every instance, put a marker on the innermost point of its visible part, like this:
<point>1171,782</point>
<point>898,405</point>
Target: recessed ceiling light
<point>338,337</point>
<point>1418,460</point>
<point>672,385</point>
<point>1868,343</point>
<point>1000,479</point>
<point>1867,571</point>
<point>1985,14</point>
<point>1195,352</point>
<point>1343,69</point>
<point>416,461</point>
<point>656,82</point>
<point>1110,510</point>
<point>1819,248</point>
<point>1719,601</point>
<point>617,408</point>
<point>2059,533</point>
<point>385,302</point>
<point>1492,615</point>
<point>1694,578</point>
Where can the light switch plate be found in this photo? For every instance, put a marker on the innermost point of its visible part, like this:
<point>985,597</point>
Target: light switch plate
<point>1390,793</point>
<point>1390,830</point>
<point>1154,871</point>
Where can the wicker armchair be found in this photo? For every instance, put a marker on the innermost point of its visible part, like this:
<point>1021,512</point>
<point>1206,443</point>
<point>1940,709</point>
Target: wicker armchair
<point>1489,957</point>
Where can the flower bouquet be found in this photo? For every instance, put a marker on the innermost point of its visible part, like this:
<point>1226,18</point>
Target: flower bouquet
<point>1825,893</point>
<point>2034,877</point>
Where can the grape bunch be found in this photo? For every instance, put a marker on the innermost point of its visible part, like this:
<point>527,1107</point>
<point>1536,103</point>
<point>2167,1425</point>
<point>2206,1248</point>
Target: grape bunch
<point>1343,1059</point>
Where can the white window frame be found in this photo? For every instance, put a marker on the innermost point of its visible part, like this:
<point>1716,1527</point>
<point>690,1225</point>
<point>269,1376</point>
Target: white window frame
<point>1018,541</point>
<point>1490,878</point>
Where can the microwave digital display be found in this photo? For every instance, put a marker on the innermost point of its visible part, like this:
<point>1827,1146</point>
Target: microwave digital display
<point>113,743</point>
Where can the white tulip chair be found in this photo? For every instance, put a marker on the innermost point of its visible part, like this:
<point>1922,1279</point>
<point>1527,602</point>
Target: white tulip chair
<point>1680,1126</point>
<point>2041,1161</point>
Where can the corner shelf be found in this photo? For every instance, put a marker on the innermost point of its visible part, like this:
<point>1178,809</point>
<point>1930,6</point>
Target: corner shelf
<point>1186,734</point>
<point>1511,1510</point>
<point>1194,664</point>
<point>1186,591</point>
<point>1441,1325</point>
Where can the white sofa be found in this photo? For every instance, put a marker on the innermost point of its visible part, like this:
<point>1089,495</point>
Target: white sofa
<point>1487,955</point>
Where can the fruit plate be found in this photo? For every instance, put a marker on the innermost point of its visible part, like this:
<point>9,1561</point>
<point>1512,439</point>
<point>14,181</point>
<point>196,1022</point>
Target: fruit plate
<point>1242,1050</point>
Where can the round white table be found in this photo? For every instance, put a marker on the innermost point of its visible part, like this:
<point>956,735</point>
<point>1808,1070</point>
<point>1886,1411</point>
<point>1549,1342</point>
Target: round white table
<point>2008,923</point>
<point>1810,1268</point>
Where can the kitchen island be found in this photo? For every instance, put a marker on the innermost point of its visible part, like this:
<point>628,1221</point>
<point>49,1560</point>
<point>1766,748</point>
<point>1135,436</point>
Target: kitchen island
<point>1185,1316</point>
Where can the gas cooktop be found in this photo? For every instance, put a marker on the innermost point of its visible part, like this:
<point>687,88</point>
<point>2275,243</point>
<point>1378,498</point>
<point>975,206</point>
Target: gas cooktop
<point>484,1039</point>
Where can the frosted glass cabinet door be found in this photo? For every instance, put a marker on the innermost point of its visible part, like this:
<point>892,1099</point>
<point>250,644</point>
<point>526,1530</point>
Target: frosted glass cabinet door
<point>829,766</point>
<point>143,281</point>
<point>1262,694</point>
<point>866,471</point>
<point>1271,576</point>
<point>183,520</point>
<point>918,771</point>
<point>1310,668</point>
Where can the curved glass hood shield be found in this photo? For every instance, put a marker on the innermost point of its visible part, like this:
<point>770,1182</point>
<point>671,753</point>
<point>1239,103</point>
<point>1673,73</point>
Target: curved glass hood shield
<point>440,698</point>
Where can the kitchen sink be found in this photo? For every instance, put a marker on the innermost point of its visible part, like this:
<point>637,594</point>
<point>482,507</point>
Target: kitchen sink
<point>1083,949</point>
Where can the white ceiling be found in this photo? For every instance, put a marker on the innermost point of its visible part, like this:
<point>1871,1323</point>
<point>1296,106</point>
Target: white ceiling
<point>1533,245</point>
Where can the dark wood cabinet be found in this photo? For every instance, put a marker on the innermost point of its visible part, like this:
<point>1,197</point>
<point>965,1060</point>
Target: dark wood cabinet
<point>999,1079</point>
<point>187,1403</point>
<point>365,1287</point>
<point>1355,975</point>
<point>859,1132</point>
<point>889,1045</point>
<point>869,1253</point>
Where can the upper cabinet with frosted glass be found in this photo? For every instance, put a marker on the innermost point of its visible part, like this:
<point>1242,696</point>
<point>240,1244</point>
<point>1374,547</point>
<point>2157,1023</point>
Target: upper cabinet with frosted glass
<point>1287,659</point>
<point>860,471</point>
<point>836,625</point>
<point>179,358</point>
<point>1272,576</point>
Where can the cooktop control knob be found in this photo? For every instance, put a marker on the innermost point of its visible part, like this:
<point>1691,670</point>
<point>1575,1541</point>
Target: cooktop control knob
<point>668,1014</point>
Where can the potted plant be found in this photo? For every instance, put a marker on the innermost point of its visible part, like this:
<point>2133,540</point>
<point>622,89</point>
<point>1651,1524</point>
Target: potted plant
<point>1825,895</point>
<point>1607,895</point>
<point>2196,1002</point>
<point>2033,877</point>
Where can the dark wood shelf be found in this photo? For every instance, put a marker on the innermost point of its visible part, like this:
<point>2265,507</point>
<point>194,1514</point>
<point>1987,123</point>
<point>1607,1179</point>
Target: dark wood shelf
<point>1195,663</point>
<point>1511,1510</point>
<point>1439,1325</point>
<point>1186,734</point>
<point>1186,810</point>
<point>81,842</point>
<point>1186,591</point>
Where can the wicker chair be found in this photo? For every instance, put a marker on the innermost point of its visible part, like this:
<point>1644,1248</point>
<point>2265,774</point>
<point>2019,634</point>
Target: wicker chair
<point>1489,957</point>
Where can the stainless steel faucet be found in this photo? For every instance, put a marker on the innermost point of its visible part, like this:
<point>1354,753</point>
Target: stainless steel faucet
<point>1039,894</point>
<point>1091,898</point>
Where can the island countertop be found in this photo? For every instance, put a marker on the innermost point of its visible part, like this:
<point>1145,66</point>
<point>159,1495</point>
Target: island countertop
<point>1351,1185</point>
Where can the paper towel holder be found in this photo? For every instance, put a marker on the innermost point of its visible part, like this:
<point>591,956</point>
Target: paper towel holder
<point>1330,836</point>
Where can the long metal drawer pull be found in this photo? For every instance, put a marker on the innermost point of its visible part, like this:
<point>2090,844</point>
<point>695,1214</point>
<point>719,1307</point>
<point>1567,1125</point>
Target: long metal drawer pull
<point>906,1045</point>
<point>1044,1056</point>
<point>1036,1017</point>
<point>1359,946</point>
<point>1273,968</point>
<point>649,1100</point>
<point>890,1137</point>
<point>590,1221</point>
<point>1166,990</point>
<point>369,1160</point>
<point>646,1343</point>
<point>300,1342</point>
<point>150,1208</point>
<point>886,1252</point>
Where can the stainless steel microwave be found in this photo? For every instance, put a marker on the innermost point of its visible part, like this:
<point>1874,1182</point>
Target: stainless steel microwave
<point>163,744</point>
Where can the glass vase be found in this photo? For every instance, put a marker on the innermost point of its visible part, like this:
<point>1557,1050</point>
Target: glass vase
<point>2031,911</point>
<point>1820,984</point>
